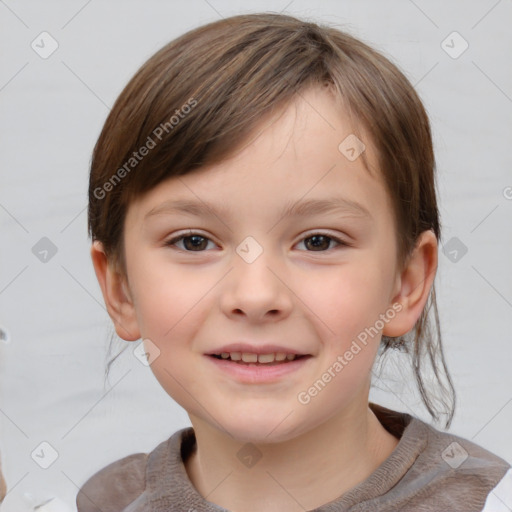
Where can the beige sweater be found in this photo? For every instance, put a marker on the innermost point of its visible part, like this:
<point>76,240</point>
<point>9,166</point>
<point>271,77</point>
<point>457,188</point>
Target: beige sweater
<point>429,471</point>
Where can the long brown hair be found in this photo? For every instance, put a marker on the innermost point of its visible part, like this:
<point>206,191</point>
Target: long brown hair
<point>198,99</point>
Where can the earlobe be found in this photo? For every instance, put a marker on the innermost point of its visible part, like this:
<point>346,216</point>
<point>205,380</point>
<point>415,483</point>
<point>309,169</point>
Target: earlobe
<point>414,285</point>
<point>116,295</point>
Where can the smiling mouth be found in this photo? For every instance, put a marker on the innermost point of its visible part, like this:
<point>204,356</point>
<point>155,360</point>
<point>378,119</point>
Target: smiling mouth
<point>250,359</point>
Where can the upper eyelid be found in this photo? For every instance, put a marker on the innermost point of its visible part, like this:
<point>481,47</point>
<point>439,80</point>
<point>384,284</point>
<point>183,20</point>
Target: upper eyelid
<point>177,238</point>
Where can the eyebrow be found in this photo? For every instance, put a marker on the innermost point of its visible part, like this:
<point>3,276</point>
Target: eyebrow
<point>299,208</point>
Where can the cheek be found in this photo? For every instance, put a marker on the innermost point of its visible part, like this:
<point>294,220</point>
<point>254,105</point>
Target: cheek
<point>169,298</point>
<point>343,302</point>
<point>170,310</point>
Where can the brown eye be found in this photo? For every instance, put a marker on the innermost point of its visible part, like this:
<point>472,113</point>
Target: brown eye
<point>191,243</point>
<point>321,242</point>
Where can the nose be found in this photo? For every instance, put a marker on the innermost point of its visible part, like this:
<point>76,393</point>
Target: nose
<point>256,291</point>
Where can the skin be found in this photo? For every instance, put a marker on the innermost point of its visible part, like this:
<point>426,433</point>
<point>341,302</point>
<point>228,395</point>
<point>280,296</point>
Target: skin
<point>315,301</point>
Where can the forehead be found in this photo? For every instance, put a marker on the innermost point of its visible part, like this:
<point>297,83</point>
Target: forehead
<point>305,152</point>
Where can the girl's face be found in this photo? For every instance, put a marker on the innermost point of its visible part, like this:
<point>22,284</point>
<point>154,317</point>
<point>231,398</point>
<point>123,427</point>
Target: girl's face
<point>249,273</point>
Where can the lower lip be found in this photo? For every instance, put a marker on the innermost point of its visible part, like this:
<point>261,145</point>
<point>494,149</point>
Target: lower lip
<point>258,373</point>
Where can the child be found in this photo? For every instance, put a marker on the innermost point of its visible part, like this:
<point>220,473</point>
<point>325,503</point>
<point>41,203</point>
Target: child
<point>232,153</point>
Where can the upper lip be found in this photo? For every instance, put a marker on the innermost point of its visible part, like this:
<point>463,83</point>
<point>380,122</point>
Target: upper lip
<point>254,349</point>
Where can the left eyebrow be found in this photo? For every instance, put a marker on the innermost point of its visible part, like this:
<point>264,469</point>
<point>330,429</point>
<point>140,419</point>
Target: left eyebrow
<point>302,208</point>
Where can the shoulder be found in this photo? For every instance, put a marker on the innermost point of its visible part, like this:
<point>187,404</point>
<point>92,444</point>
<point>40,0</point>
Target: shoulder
<point>128,483</point>
<point>455,453</point>
<point>463,471</point>
<point>115,486</point>
<point>432,470</point>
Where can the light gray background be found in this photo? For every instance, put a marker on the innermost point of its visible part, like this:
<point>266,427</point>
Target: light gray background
<point>51,373</point>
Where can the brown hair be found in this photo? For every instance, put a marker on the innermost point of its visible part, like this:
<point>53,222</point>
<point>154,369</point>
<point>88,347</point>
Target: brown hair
<point>198,99</point>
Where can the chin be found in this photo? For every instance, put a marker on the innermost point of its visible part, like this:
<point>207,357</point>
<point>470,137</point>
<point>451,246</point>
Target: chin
<point>264,429</point>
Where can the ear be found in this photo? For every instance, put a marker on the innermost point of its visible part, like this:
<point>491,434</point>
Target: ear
<point>116,295</point>
<point>413,285</point>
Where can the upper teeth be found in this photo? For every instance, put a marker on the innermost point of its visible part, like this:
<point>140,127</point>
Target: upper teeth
<point>248,357</point>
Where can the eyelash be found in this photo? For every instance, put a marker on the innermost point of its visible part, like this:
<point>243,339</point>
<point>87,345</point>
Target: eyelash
<point>190,234</point>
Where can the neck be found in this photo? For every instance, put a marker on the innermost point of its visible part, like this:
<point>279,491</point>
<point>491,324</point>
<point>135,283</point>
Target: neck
<point>300,474</point>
